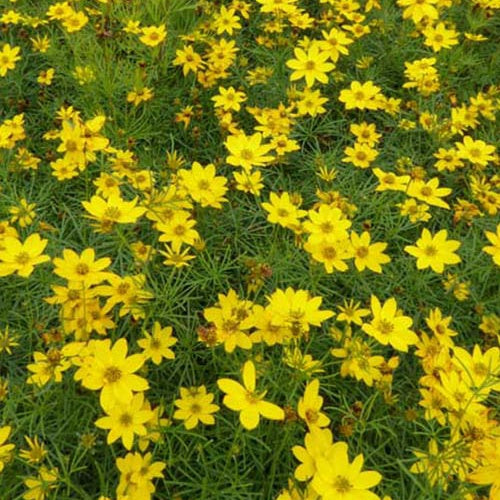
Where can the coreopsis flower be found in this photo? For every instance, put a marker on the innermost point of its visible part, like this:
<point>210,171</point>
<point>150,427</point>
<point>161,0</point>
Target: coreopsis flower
<point>156,346</point>
<point>358,361</point>
<point>231,318</point>
<point>416,10</point>
<point>40,43</point>
<point>59,11</point>
<point>351,312</point>
<point>195,405</point>
<point>494,248</point>
<point>113,210</point>
<point>229,99</point>
<point>282,211</point>
<point>82,269</point>
<point>22,257</point>
<point>475,151</point>
<point>309,406</point>
<point>111,371</point>
<point>24,213</point>
<point>178,230</point>
<point>368,255</point>
<point>139,95</point>
<point>5,448</point>
<point>480,370</point>
<point>365,133</point>
<point>153,35</point>
<point>36,451</point>
<point>188,59</point>
<point>8,58</point>
<point>336,478</point>
<point>317,442</point>
<point>439,37</point>
<point>249,181</point>
<point>310,65</point>
<point>75,21</point>
<point>335,43</point>
<point>247,401</point>
<point>226,21</point>
<point>331,252</point>
<point>389,325</point>
<point>46,77</point>
<point>137,473</point>
<point>128,290</point>
<point>203,185</point>
<point>47,367</point>
<point>8,341</point>
<point>247,151</point>
<point>125,420</point>
<point>297,310</point>
<point>434,251</point>
<point>361,96</point>
<point>429,192</point>
<point>360,155</point>
<point>40,486</point>
<point>311,102</point>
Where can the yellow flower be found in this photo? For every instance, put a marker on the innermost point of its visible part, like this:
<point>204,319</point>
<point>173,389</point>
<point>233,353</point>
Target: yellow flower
<point>476,151</point>
<point>136,476</point>
<point>8,58</point>
<point>195,406</point>
<point>178,230</point>
<point>5,449</point>
<point>124,420</point>
<point>368,255</point>
<point>247,151</point>
<point>226,21</point>
<point>361,96</point>
<point>188,59</point>
<point>245,399</point>
<point>317,443</point>
<point>137,96</point>
<point>429,192</point>
<point>111,211</point>
<point>45,77</point>
<point>203,185</point>
<point>361,155</point>
<point>310,65</point>
<point>439,37</point>
<point>75,21</point>
<point>153,35</point>
<point>309,406</point>
<point>229,99</point>
<point>389,326</point>
<point>335,43</point>
<point>494,248</point>
<point>416,10</point>
<point>110,370</point>
<point>82,269</point>
<point>40,486</point>
<point>157,346</point>
<point>22,257</point>
<point>24,213</point>
<point>36,451</point>
<point>282,211</point>
<point>40,44</point>
<point>434,251</point>
<point>336,478</point>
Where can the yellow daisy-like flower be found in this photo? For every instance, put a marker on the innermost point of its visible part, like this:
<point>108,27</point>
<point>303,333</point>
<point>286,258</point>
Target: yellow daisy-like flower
<point>434,251</point>
<point>246,400</point>
<point>153,35</point>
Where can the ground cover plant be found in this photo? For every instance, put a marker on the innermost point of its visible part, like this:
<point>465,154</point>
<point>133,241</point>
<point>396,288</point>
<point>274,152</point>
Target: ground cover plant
<point>249,249</point>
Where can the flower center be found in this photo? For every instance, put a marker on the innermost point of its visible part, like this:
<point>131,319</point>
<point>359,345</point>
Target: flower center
<point>112,374</point>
